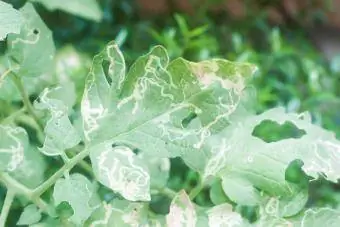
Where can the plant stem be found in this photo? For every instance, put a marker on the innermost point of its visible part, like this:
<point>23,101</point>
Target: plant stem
<point>11,118</point>
<point>6,207</point>
<point>168,192</point>
<point>82,163</point>
<point>21,189</point>
<point>66,168</point>
<point>14,185</point>
<point>196,190</point>
<point>25,98</point>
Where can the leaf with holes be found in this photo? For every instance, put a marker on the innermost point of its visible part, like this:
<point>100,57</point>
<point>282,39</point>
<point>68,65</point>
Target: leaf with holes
<point>60,133</point>
<point>245,162</point>
<point>64,190</point>
<point>164,109</point>
<point>13,143</point>
<point>31,52</point>
<point>11,20</point>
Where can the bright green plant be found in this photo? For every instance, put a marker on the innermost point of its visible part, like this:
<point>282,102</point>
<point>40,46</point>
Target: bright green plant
<point>103,159</point>
<point>181,40</point>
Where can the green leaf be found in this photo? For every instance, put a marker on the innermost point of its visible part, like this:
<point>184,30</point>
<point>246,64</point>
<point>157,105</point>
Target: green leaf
<point>13,142</point>
<point>240,190</point>
<point>262,165</point>
<point>164,109</point>
<point>8,89</point>
<point>29,216</point>
<point>119,169</point>
<point>88,9</point>
<point>11,20</point>
<point>31,172</point>
<point>182,211</point>
<point>66,93</point>
<point>60,133</point>
<point>31,52</point>
<point>77,190</point>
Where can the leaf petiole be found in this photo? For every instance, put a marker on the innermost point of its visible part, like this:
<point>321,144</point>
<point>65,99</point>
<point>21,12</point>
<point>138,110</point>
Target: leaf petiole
<point>25,98</point>
<point>6,207</point>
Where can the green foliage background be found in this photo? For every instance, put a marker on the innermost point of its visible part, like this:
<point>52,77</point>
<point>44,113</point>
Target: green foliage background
<point>291,71</point>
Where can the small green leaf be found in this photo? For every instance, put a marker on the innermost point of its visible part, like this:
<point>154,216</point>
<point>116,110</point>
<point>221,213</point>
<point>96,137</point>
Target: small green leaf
<point>88,9</point>
<point>31,52</point>
<point>182,211</point>
<point>119,169</point>
<point>29,216</point>
<point>77,190</point>
<point>240,191</point>
<point>11,20</point>
<point>60,133</point>
<point>13,142</point>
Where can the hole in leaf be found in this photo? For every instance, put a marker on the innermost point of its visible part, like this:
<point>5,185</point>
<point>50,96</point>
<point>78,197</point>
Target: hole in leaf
<point>295,174</point>
<point>35,31</point>
<point>64,210</point>
<point>186,121</point>
<point>271,131</point>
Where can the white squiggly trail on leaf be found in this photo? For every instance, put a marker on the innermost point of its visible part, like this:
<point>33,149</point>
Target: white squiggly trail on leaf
<point>218,159</point>
<point>107,214</point>
<point>143,82</point>
<point>30,41</point>
<point>91,114</point>
<point>13,146</point>
<point>117,168</point>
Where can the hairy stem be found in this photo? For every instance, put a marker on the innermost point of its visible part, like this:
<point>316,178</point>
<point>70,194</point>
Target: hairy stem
<point>6,207</point>
<point>82,163</point>
<point>25,98</point>
<point>20,189</point>
<point>66,168</point>
<point>14,185</point>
